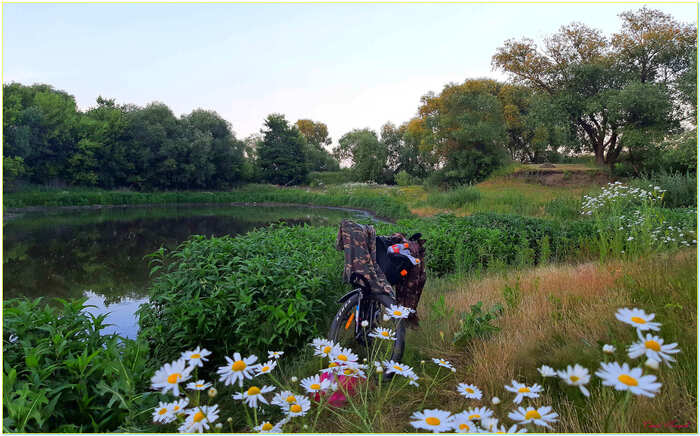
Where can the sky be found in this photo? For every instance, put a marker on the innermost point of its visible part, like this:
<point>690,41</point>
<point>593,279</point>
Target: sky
<point>347,65</point>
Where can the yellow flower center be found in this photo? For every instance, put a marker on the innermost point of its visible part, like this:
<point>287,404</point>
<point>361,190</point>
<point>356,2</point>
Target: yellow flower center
<point>573,378</point>
<point>238,365</point>
<point>470,390</point>
<point>199,385</point>
<point>163,411</point>
<point>524,389</point>
<point>638,320</point>
<point>195,356</point>
<point>349,371</point>
<point>532,414</point>
<point>431,420</point>
<point>198,417</point>
<point>399,313</point>
<point>254,390</point>
<point>463,427</point>
<point>267,426</point>
<point>265,368</point>
<point>475,416</point>
<point>629,381</point>
<point>291,399</point>
<point>174,378</point>
<point>326,349</point>
<point>315,386</point>
<point>385,334</point>
<point>398,368</point>
<point>176,408</point>
<point>295,408</point>
<point>342,357</point>
<point>653,345</point>
<point>332,365</point>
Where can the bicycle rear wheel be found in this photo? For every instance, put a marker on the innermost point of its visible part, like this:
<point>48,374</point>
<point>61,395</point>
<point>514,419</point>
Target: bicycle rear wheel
<point>346,330</point>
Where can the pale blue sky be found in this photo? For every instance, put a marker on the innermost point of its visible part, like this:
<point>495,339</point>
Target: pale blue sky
<point>347,65</point>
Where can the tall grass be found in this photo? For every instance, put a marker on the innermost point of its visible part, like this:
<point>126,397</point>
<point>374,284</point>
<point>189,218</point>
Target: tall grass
<point>681,189</point>
<point>454,198</point>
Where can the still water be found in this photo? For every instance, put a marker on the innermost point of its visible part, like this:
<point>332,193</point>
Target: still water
<point>99,254</point>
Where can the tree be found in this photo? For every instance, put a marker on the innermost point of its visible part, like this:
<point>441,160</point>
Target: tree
<point>594,79</point>
<point>367,154</point>
<point>316,135</point>
<point>281,155</point>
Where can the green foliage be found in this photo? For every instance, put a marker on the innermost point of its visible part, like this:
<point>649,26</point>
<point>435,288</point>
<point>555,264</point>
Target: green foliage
<point>61,375</point>
<point>326,178</point>
<point>402,178</point>
<point>454,198</point>
<point>513,295</point>
<point>12,168</point>
<point>681,189</point>
<point>563,208</point>
<point>477,323</point>
<point>367,154</point>
<point>439,309</point>
<point>281,154</point>
<point>272,288</point>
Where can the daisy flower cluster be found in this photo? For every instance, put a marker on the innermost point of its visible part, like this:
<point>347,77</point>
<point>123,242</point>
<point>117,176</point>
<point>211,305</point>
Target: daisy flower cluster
<point>616,192</point>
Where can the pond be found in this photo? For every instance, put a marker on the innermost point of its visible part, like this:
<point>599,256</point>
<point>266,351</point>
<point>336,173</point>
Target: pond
<point>99,253</point>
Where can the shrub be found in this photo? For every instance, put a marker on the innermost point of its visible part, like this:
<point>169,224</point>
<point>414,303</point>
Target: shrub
<point>62,375</point>
<point>402,178</point>
<point>271,288</point>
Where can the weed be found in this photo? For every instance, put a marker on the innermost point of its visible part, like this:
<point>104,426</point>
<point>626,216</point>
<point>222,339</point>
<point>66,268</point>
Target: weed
<point>476,323</point>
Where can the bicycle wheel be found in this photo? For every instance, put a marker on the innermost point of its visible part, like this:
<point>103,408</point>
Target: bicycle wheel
<point>347,331</point>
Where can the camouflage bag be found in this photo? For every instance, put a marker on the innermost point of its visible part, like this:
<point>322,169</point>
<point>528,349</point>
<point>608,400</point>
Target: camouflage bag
<point>410,288</point>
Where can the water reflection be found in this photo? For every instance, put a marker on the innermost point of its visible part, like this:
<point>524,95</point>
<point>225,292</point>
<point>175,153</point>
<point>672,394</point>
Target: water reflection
<point>120,314</point>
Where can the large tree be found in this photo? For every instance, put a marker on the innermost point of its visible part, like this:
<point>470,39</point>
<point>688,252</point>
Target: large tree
<point>618,91</point>
<point>367,154</point>
<point>317,156</point>
<point>281,156</point>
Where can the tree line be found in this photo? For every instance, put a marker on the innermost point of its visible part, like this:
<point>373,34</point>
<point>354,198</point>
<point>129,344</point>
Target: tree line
<point>628,99</point>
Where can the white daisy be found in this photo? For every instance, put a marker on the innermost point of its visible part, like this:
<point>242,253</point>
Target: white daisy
<point>541,416</point>
<point>299,408</point>
<point>637,318</point>
<point>397,368</point>
<point>322,347</point>
<point>502,429</point>
<point>267,427</point>
<point>199,385</point>
<point>342,355</point>
<point>197,357</point>
<point>435,420</point>
<point>576,376</point>
<point>284,399</point>
<point>547,371</point>
<point>398,312</point>
<point>352,371</point>
<point>652,364</point>
<point>478,413</point>
<point>163,414</point>
<point>314,384</point>
<point>624,378</point>
<point>253,395</point>
<point>461,424</point>
<point>264,368</point>
<point>495,401</point>
<point>489,425</point>
<point>443,362</point>
<point>333,368</point>
<point>653,347</point>
<point>169,377</point>
<point>609,349</point>
<point>413,379</point>
<point>469,391</point>
<point>236,369</point>
<point>199,418</point>
<point>382,333</point>
<point>522,391</point>
<point>274,354</point>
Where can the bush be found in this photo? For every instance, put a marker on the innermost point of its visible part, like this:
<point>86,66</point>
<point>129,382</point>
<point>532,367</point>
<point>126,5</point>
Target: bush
<point>402,178</point>
<point>681,189</point>
<point>455,198</point>
<point>62,375</point>
<point>272,288</point>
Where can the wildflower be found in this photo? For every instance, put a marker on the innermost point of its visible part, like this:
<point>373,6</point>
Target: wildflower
<point>630,238</point>
<point>197,357</point>
<point>382,333</point>
<point>199,385</point>
<point>609,349</point>
<point>163,414</point>
<point>199,418</point>
<point>322,347</point>
<point>413,379</point>
<point>284,399</point>
<point>653,347</point>
<point>253,395</point>
<point>212,392</point>
<point>343,355</point>
<point>443,362</point>
<point>435,420</point>
<point>236,369</point>
<point>576,376</point>
<point>522,390</point>
<point>364,324</point>
<point>352,371</point>
<point>294,379</point>
<point>264,368</point>
<point>229,420</point>
<point>652,364</point>
<point>299,408</point>
<point>495,401</point>
<point>462,424</point>
<point>169,377</point>
<point>637,318</point>
<point>540,416</point>
<point>267,427</point>
<point>489,425</point>
<point>502,429</point>
<point>469,391</point>
<point>314,384</point>
<point>479,413</point>
<point>379,369</point>
<point>453,369</point>
<point>547,371</point>
<point>398,312</point>
<point>624,378</point>
<point>397,368</point>
<point>219,426</point>
<point>274,354</point>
